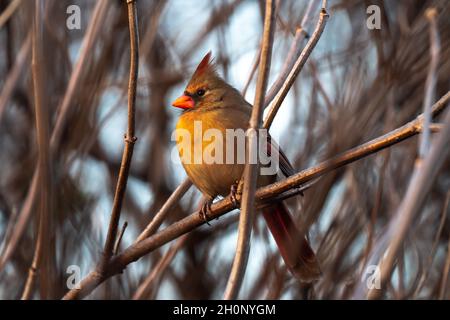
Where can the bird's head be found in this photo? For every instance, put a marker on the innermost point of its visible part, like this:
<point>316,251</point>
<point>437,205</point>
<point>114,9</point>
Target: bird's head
<point>205,88</point>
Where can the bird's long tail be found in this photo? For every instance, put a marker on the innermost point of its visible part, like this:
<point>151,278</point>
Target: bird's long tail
<point>297,253</point>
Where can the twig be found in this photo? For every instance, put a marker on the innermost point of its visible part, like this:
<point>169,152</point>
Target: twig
<point>431,81</point>
<point>251,169</point>
<point>130,138</point>
<point>434,127</point>
<point>119,239</point>
<point>42,132</point>
<point>293,54</point>
<point>297,67</point>
<point>252,72</point>
<point>165,209</point>
<point>151,32</point>
<point>137,250</point>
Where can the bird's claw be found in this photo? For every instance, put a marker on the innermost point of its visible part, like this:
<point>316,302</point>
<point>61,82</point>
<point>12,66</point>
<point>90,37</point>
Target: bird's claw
<point>205,210</point>
<point>233,194</point>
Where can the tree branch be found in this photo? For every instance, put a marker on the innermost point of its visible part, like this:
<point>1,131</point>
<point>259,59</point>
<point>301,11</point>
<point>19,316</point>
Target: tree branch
<point>165,209</point>
<point>130,138</point>
<point>300,34</point>
<point>250,175</point>
<point>281,95</point>
<point>9,11</point>
<point>44,177</point>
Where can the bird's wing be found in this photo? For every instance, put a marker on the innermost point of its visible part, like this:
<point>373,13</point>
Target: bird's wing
<point>285,165</point>
<point>272,146</point>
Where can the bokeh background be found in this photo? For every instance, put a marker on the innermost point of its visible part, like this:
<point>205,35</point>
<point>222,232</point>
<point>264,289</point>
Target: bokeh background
<point>357,85</point>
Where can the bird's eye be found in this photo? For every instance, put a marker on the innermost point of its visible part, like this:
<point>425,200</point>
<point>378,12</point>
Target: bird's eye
<point>200,92</point>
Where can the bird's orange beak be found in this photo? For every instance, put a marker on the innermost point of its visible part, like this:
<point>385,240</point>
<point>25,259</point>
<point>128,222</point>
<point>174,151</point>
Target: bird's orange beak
<point>183,102</point>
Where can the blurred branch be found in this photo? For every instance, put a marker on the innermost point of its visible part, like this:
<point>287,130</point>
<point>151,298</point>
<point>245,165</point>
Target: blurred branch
<point>30,199</point>
<point>22,220</point>
<point>15,73</point>
<point>421,181</point>
<point>151,32</point>
<point>130,138</point>
<point>89,39</point>
<point>157,272</point>
<point>444,286</point>
<point>250,175</point>
<point>430,85</point>
<point>9,11</point>
<point>286,86</point>
<point>252,72</point>
<point>218,17</point>
<point>137,250</point>
<point>433,250</point>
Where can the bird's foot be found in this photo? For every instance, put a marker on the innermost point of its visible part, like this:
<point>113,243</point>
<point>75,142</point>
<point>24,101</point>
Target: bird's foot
<point>234,191</point>
<point>206,210</point>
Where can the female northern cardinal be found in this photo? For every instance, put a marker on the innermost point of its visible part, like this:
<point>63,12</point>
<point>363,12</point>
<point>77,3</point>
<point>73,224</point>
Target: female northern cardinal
<point>217,105</point>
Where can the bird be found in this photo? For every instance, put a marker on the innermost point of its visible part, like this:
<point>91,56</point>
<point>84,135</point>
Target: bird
<point>210,101</point>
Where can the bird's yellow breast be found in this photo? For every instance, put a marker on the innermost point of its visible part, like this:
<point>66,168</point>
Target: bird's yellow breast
<point>202,155</point>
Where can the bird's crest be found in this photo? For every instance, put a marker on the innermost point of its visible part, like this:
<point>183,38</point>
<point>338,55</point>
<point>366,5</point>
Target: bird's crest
<point>204,65</point>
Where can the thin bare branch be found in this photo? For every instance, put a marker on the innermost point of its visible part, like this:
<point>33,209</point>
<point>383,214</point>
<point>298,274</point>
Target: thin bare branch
<point>250,175</point>
<point>42,130</point>
<point>119,239</point>
<point>282,93</point>
<point>165,209</point>
<point>130,138</point>
<point>294,53</point>
<point>252,72</point>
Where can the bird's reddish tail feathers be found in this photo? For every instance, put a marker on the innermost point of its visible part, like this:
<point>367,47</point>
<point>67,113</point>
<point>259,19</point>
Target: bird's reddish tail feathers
<point>296,253</point>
